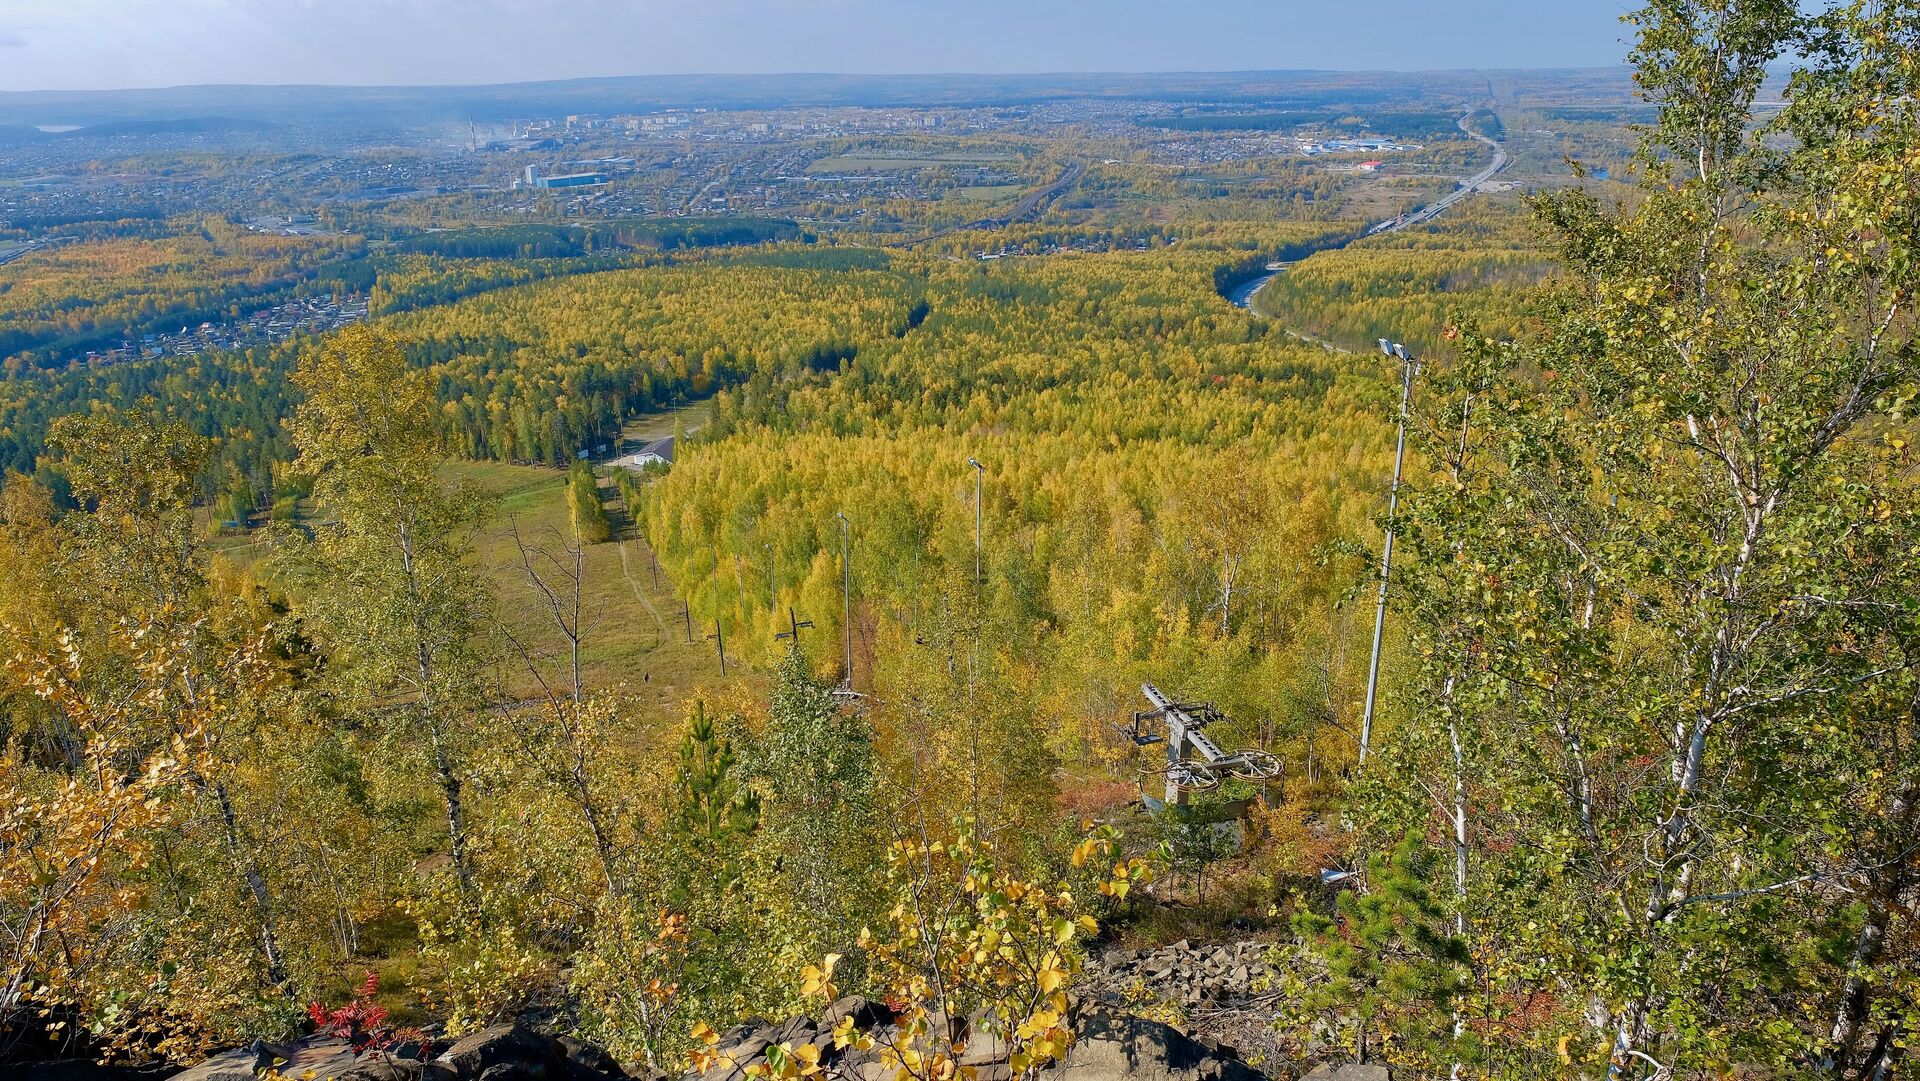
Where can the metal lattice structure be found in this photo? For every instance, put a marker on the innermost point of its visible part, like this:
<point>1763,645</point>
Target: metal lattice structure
<point>1194,762</point>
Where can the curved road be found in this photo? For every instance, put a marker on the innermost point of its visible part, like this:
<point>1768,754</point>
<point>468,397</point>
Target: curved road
<point>1466,188</point>
<point>1242,294</point>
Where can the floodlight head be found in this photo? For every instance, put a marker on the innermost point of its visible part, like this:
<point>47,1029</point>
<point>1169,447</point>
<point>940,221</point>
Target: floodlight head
<point>842,515</point>
<point>975,463</point>
<point>1386,347</point>
<point>1399,350</point>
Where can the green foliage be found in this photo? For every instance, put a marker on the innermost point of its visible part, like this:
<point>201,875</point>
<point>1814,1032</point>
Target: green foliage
<point>589,515</point>
<point>711,808</point>
<point>1660,575</point>
<point>1391,965</point>
<point>815,773</point>
<point>1194,835</point>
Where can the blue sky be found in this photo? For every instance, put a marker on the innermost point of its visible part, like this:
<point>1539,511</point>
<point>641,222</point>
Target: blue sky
<point>98,44</point>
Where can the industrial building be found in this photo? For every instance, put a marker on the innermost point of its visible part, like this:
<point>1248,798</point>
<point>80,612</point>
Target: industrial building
<point>533,179</point>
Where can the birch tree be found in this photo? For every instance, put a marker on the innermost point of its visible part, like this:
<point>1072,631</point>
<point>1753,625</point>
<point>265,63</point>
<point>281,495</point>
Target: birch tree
<point>386,581</point>
<point>1663,600</point>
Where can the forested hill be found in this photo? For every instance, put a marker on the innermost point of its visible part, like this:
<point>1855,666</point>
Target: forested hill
<point>986,645</point>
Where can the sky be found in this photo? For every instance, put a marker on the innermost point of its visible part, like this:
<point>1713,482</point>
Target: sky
<point>112,44</point>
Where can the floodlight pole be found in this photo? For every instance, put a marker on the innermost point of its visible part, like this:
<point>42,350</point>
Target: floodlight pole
<point>1392,349</point>
<point>979,546</point>
<point>846,590</point>
<point>720,644</point>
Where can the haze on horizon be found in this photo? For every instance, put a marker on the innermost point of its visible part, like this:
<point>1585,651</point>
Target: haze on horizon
<point>116,44</point>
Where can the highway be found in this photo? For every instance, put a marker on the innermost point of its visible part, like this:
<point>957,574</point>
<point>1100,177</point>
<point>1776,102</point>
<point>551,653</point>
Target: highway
<point>1468,187</point>
<point>1242,295</point>
<point>8,255</point>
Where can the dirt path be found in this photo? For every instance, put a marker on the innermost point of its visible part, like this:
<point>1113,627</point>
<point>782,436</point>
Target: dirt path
<point>639,594</point>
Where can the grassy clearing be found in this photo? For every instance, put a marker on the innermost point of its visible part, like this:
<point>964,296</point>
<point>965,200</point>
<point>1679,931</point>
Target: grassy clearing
<point>640,431</point>
<point>635,637</point>
<point>988,193</point>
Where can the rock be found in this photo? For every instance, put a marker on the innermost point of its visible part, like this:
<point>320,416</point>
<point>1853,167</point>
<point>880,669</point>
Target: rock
<point>591,1057</point>
<point>82,1069</point>
<point>1349,1071</point>
<point>796,1031</point>
<point>535,1054</point>
<point>866,1014</point>
<point>1116,1047</point>
<point>382,1067</point>
<point>325,1056</point>
<point>752,1030</point>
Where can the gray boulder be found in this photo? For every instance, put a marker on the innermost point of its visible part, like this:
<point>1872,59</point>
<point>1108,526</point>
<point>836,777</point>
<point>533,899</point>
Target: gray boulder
<point>324,1056</point>
<point>1118,1047</point>
<point>522,1053</point>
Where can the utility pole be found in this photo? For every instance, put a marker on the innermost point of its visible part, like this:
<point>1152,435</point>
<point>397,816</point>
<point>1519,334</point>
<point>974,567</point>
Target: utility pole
<point>794,623</point>
<point>720,645</point>
<point>772,593</point>
<point>1391,349</point>
<point>979,548</point>
<point>846,591</point>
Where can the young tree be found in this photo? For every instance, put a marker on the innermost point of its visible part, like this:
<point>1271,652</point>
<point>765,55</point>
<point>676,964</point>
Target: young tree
<point>1390,962</point>
<point>712,808</point>
<point>814,772</point>
<point>590,522</point>
<point>388,583</point>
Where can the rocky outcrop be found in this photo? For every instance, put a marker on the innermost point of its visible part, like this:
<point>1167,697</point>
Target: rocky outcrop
<point>1182,974</point>
<point>1119,1047</point>
<point>501,1053</point>
<point>1108,1047</point>
<point>324,1056</point>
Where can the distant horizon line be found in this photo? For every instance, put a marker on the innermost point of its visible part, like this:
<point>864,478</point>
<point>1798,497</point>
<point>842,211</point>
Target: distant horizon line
<point>1060,74</point>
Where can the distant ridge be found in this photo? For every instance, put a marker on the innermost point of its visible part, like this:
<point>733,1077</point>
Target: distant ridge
<point>642,93</point>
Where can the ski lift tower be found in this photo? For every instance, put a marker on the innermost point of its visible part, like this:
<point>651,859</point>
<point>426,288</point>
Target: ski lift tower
<point>1194,762</point>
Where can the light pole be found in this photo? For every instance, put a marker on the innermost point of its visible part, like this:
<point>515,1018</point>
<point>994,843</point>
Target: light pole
<point>846,591</point>
<point>1391,349</point>
<point>979,481</point>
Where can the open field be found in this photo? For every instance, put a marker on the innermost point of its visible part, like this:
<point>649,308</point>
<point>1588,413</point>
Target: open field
<point>987,193</point>
<point>691,417</point>
<point>635,637</point>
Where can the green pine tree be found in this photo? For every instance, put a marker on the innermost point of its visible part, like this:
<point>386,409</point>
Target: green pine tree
<point>1392,966</point>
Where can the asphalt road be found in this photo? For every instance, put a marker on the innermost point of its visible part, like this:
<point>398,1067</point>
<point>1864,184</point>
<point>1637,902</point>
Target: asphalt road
<point>1438,206</point>
<point>1242,294</point>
